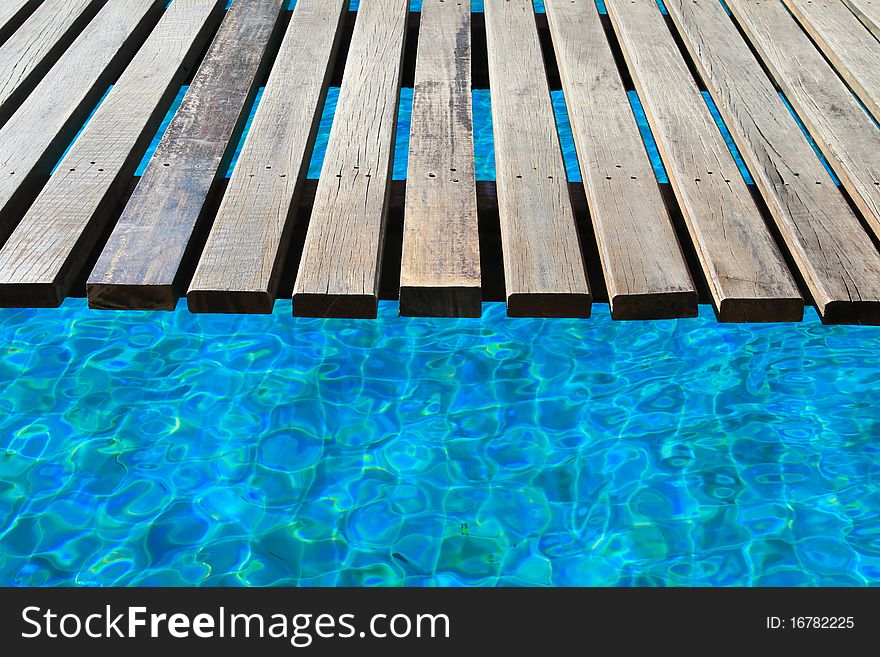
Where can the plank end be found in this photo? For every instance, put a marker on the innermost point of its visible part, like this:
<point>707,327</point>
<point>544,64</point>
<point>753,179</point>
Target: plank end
<point>30,295</point>
<point>113,296</point>
<point>761,310</point>
<point>549,305</point>
<point>353,306</point>
<point>423,301</point>
<point>851,312</point>
<point>248,302</point>
<point>662,305</point>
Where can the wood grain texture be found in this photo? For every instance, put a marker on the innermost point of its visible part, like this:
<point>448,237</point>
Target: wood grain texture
<point>867,11</point>
<point>745,271</point>
<point>12,13</point>
<point>842,130</point>
<point>642,262</point>
<point>140,265</point>
<point>339,270</point>
<point>440,274</point>
<point>853,51</point>
<point>834,254</point>
<point>59,232</point>
<point>544,271</point>
<point>36,45</point>
<point>35,136</point>
<point>240,265</point>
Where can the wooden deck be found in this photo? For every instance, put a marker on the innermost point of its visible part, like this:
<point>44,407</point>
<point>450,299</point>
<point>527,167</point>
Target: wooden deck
<point>793,83</point>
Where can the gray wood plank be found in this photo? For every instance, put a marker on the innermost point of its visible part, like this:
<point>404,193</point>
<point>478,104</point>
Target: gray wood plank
<point>440,273</point>
<point>834,254</point>
<point>36,135</point>
<point>853,51</point>
<point>241,263</point>
<point>58,233</point>
<point>642,262</point>
<point>746,273</point>
<point>36,45</point>
<point>543,264</point>
<point>140,265</point>
<point>12,13</point>
<point>339,270</point>
<point>842,130</point>
<point>867,11</point>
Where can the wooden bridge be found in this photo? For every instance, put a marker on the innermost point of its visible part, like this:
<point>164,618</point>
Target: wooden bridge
<point>785,75</point>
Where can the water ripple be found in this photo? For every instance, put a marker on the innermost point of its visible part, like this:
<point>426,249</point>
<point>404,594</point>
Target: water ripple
<point>172,449</point>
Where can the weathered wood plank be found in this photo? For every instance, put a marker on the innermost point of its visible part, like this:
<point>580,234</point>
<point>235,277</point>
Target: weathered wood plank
<point>339,271</point>
<point>544,271</point>
<point>440,274</point>
<point>35,136</point>
<point>867,11</point>
<point>240,265</point>
<point>842,130</point>
<point>48,248</point>
<point>747,276</point>
<point>644,268</point>
<point>36,45</point>
<point>834,254</point>
<point>853,51</point>
<point>12,13</point>
<point>140,265</point>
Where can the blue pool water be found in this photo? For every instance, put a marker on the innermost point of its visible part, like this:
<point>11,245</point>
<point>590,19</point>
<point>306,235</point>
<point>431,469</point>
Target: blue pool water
<point>151,448</point>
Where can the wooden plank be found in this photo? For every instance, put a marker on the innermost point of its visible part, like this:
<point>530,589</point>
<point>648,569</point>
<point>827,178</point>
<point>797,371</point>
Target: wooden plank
<point>853,51</point>
<point>842,130</point>
<point>30,52</point>
<point>242,260</point>
<point>140,265</point>
<point>867,11</point>
<point>339,271</point>
<point>543,264</point>
<point>33,139</point>
<point>747,276</point>
<point>440,274</point>
<point>48,248</point>
<point>644,268</point>
<point>834,254</point>
<point>12,13</point>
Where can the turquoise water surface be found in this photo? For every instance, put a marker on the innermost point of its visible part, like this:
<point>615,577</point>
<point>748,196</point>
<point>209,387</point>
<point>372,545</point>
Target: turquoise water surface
<point>172,449</point>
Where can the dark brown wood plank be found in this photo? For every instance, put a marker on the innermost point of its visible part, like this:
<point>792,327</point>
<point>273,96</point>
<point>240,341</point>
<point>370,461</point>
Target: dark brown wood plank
<point>440,274</point>
<point>242,260</point>
<point>140,265</point>
<point>36,135</point>
<point>58,233</point>
<point>544,272</point>
<point>747,275</point>
<point>339,270</point>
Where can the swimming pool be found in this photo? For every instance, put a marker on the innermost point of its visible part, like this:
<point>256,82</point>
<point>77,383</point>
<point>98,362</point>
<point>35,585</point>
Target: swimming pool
<point>175,449</point>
